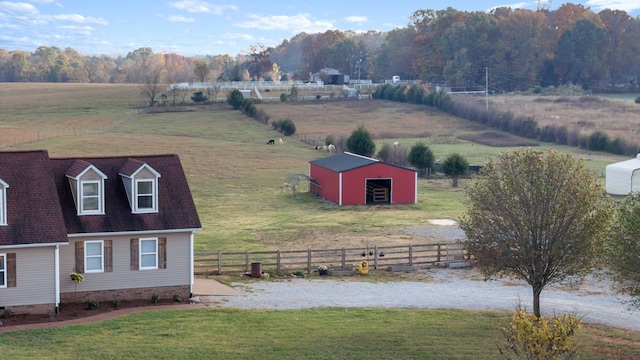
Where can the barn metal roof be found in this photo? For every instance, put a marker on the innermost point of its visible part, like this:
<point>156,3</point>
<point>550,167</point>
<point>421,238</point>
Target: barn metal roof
<point>344,161</point>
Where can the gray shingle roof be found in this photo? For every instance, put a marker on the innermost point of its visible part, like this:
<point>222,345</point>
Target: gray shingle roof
<point>343,162</point>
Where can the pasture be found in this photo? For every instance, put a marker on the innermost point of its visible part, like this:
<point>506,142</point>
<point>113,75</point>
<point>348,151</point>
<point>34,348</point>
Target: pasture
<point>235,177</point>
<point>236,180</point>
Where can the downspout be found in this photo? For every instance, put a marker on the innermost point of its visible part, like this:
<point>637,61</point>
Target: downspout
<point>191,269</point>
<point>56,276</point>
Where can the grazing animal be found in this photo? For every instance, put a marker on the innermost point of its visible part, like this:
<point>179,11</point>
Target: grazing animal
<point>318,147</point>
<point>280,141</point>
<point>397,143</point>
<point>331,149</point>
<point>271,142</point>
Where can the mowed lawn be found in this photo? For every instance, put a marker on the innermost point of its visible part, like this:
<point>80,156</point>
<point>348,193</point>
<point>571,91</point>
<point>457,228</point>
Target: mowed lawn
<point>236,180</point>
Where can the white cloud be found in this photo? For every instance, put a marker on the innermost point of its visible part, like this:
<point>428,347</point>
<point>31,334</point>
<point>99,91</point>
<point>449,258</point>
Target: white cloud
<point>356,19</point>
<point>626,5</point>
<point>15,7</point>
<point>75,18</point>
<point>294,24</point>
<point>180,18</point>
<point>197,6</point>
<point>81,30</point>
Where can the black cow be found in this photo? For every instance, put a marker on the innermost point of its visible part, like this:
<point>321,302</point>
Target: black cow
<point>271,142</point>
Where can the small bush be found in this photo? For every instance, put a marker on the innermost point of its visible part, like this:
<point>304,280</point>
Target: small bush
<point>92,304</point>
<point>177,298</point>
<point>287,127</point>
<point>7,313</point>
<point>283,97</point>
<point>116,303</point>
<point>529,337</point>
<point>155,298</point>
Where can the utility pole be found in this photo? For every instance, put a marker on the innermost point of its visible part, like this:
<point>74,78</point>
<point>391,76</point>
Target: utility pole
<point>486,87</point>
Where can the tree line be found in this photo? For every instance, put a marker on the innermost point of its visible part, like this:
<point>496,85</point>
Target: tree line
<point>514,49</point>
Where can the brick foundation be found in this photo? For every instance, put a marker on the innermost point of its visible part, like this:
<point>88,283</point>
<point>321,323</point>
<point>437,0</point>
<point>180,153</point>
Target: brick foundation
<point>31,309</point>
<point>164,292</point>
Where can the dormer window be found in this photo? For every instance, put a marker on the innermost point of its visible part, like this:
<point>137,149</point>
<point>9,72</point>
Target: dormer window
<point>141,183</point>
<point>87,187</point>
<point>3,202</point>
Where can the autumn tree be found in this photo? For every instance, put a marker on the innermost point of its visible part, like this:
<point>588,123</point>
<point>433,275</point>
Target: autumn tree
<point>200,70</point>
<point>454,166</point>
<point>623,255</point>
<point>361,143</point>
<point>535,216</point>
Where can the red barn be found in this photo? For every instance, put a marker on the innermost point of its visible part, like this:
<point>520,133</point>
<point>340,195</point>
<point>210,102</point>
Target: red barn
<point>350,179</point>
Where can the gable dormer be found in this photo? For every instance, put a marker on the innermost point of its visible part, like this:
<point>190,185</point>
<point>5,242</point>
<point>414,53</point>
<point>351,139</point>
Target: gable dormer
<point>141,184</point>
<point>3,202</point>
<point>87,187</point>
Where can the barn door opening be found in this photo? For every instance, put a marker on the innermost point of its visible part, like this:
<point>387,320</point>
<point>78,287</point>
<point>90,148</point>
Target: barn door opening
<point>378,191</point>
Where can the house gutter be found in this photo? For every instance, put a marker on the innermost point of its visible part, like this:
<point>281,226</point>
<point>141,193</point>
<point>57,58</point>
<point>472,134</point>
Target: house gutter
<point>132,232</point>
<point>22,246</point>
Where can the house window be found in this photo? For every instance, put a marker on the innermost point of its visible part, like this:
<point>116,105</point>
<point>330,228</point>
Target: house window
<point>91,197</point>
<point>3,270</point>
<point>145,195</point>
<point>94,256</point>
<point>148,254</point>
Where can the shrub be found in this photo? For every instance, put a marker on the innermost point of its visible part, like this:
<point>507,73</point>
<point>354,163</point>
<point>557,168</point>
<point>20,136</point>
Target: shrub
<point>199,97</point>
<point>155,298</point>
<point>283,97</point>
<point>421,157</point>
<point>235,99</point>
<point>116,303</point>
<point>177,298</point>
<point>598,141</point>
<point>92,304</point>
<point>287,127</point>
<point>529,337</point>
<point>7,313</point>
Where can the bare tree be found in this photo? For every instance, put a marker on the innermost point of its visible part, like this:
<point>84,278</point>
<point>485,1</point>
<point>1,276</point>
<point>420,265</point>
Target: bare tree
<point>152,85</point>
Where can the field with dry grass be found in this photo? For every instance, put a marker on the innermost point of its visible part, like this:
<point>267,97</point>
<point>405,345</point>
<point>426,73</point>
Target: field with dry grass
<point>237,180</point>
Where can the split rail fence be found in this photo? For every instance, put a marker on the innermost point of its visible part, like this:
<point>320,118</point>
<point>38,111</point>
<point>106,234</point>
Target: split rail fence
<point>378,257</point>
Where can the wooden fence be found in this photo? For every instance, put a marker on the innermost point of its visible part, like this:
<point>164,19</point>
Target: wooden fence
<point>378,257</point>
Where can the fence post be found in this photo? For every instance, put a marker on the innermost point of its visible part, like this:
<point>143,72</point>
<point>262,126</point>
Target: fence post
<point>439,253</point>
<point>246,261</point>
<point>344,259</point>
<point>278,261</point>
<point>309,261</point>
<point>219,262</point>
<point>410,254</point>
<point>375,256</point>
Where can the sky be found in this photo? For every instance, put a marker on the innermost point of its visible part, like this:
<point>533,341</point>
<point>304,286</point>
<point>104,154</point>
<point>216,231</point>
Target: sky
<point>216,27</point>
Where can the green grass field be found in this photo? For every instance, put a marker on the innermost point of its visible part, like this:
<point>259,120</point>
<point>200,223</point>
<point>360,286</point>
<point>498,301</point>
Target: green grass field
<point>236,181</point>
<point>331,333</point>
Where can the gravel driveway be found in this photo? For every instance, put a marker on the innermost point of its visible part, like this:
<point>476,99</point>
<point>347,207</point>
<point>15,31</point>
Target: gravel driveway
<point>591,300</point>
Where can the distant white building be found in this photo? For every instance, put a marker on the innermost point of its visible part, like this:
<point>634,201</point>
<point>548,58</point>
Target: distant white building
<point>623,178</point>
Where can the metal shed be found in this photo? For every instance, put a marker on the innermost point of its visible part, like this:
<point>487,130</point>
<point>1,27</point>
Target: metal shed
<point>623,178</point>
<point>351,179</point>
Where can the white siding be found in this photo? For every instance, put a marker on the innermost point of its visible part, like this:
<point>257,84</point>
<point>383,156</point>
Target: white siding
<point>177,271</point>
<point>34,277</point>
<point>623,177</point>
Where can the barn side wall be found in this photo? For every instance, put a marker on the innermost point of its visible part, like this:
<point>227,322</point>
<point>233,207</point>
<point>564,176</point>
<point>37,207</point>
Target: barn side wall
<point>329,183</point>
